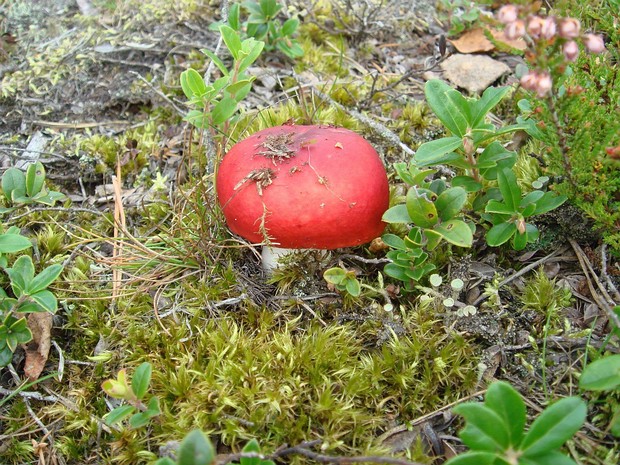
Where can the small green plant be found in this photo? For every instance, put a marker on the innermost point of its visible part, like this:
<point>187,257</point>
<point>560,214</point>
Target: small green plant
<point>218,102</point>
<point>263,24</point>
<point>485,188</point>
<point>495,430</point>
<point>29,293</point>
<point>196,449</point>
<point>461,14</point>
<point>134,393</point>
<point>346,281</point>
<point>604,375</point>
<point>25,189</point>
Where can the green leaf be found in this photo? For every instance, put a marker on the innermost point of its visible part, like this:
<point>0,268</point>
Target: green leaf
<point>421,210</point>
<point>397,214</point>
<point>198,118</point>
<point>353,286</point>
<point>485,430</point>
<point>21,274</point>
<point>251,446</point>
<point>466,182</point>
<point>530,199</point>
<point>500,233</point>
<point>238,86</point>
<point>449,106</point>
<point>118,414</point>
<point>196,449</point>
<point>438,151</point>
<point>35,178</point>
<point>139,420</point>
<point>396,272</point>
<point>394,241</point>
<point>492,154</point>
<point>165,461</point>
<point>234,17</point>
<point>554,426</point>
<point>602,374</point>
<point>614,425</point>
<point>474,458</point>
<point>11,243</point>
<point>6,356</point>
<point>217,61</point>
<point>549,458</point>
<point>450,202</point>
<point>456,232</point>
<point>549,202</point>
<point>519,241</point>
<point>491,97</point>
<point>13,183</point>
<point>504,400</point>
<point>192,83</point>
<point>224,109</point>
<point>509,188</point>
<point>153,407</point>
<point>253,48</point>
<point>141,379</point>
<point>44,279</point>
<point>48,198</point>
<point>46,300</point>
<point>231,39</point>
<point>290,26</point>
<point>269,8</point>
<point>335,275</point>
<point>495,206</point>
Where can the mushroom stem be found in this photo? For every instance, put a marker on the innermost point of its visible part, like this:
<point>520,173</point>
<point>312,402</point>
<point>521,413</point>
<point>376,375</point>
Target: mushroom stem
<point>271,255</point>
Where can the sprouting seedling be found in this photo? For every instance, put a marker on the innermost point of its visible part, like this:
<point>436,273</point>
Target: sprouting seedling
<point>133,393</point>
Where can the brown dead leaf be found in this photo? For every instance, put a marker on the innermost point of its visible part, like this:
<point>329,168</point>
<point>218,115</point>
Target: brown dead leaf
<point>38,349</point>
<point>475,41</point>
<point>518,44</point>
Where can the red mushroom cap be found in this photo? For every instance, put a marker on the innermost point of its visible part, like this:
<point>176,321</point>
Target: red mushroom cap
<point>315,187</point>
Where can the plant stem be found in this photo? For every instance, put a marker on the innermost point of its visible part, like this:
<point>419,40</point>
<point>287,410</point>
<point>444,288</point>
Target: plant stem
<point>568,168</point>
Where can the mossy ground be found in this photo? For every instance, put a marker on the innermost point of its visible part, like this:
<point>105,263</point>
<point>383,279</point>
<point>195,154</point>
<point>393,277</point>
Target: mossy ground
<point>286,360</point>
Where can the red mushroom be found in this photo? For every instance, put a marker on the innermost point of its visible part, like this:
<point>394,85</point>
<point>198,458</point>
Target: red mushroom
<point>304,187</point>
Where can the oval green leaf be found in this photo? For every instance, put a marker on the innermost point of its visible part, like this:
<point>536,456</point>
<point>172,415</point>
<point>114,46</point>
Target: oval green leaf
<point>601,375</point>
<point>554,426</point>
<point>421,210</point>
<point>456,232</point>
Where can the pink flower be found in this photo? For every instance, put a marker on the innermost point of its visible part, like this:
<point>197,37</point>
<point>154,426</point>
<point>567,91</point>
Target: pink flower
<point>534,26</point>
<point>529,81</point>
<point>594,43</point>
<point>540,83</point>
<point>569,28</point>
<point>515,30</point>
<point>544,84</point>
<point>507,14</point>
<point>571,50</point>
<point>548,28</point>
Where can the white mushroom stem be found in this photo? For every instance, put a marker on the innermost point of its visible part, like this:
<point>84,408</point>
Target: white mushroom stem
<point>271,256</point>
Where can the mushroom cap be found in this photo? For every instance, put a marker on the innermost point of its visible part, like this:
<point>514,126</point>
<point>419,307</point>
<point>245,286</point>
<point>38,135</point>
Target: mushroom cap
<point>316,187</point>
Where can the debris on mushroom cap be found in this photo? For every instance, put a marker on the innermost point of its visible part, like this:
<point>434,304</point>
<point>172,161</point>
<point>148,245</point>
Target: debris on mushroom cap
<point>315,187</point>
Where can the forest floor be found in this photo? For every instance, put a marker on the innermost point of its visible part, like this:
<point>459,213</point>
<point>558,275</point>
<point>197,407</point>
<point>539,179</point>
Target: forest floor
<point>151,273</point>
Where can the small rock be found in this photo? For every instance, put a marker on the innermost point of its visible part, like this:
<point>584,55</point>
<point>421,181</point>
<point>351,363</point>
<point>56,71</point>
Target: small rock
<point>473,73</point>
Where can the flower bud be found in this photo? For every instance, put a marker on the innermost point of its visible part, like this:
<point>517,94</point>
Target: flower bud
<point>544,84</point>
<point>528,81</point>
<point>507,14</point>
<point>571,50</point>
<point>569,28</point>
<point>594,43</point>
<point>548,28</point>
<point>534,26</point>
<point>515,30</point>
